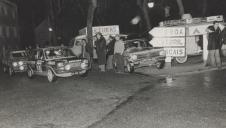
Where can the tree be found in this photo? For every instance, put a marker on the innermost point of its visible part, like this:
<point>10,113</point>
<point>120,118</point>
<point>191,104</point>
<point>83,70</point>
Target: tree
<point>181,7</point>
<point>142,4</point>
<point>90,17</point>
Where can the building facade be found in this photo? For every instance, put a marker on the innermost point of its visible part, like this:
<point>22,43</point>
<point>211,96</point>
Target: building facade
<point>9,36</point>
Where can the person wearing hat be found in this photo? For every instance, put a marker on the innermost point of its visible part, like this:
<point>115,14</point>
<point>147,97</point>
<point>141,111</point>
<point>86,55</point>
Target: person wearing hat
<point>101,51</point>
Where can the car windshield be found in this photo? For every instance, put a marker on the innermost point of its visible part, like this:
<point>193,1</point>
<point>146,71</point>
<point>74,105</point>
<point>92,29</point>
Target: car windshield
<point>19,55</point>
<point>77,42</point>
<point>56,53</point>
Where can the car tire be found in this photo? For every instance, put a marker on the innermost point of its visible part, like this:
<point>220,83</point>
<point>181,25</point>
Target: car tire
<point>50,76</point>
<point>181,60</point>
<point>160,64</point>
<point>30,73</point>
<point>11,72</point>
<point>4,68</point>
<point>84,74</point>
<point>129,68</point>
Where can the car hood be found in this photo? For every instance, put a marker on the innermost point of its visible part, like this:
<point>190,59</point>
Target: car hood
<point>68,59</point>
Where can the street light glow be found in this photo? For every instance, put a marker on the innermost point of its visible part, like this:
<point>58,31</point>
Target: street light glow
<point>50,29</point>
<point>151,4</point>
<point>135,20</point>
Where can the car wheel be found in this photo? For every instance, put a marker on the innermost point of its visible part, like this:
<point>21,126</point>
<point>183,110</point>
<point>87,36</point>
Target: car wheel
<point>160,64</point>
<point>129,68</point>
<point>4,69</point>
<point>84,74</point>
<point>29,73</point>
<point>11,72</point>
<point>50,76</point>
<point>181,60</point>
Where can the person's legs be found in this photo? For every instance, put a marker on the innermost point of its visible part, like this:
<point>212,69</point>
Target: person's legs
<point>116,59</point>
<point>121,63</point>
<point>102,68</point>
<point>212,58</point>
<point>109,62</point>
<point>207,63</point>
<point>218,58</point>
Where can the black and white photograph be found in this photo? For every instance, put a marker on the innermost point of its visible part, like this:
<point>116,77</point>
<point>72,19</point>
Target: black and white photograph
<point>112,64</point>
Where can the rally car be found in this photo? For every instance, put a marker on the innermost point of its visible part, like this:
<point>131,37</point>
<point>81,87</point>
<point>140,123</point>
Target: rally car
<point>54,62</point>
<point>14,62</point>
<point>138,53</point>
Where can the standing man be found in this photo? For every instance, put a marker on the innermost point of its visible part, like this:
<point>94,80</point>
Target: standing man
<point>118,54</point>
<point>214,59</point>
<point>110,52</point>
<point>101,51</point>
<point>222,39</point>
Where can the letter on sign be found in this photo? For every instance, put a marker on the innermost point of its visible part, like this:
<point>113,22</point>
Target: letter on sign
<point>168,32</point>
<point>175,52</point>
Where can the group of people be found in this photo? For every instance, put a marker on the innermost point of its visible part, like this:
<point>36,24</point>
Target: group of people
<point>216,39</point>
<point>107,52</point>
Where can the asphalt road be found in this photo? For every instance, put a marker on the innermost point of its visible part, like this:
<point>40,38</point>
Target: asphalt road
<point>191,101</point>
<point>73,102</point>
<point>109,100</point>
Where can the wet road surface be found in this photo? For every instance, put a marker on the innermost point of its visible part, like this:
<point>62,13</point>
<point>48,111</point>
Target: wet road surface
<point>73,102</point>
<point>191,101</point>
<point>109,100</point>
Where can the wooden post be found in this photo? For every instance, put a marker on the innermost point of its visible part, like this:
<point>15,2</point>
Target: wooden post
<point>205,50</point>
<point>168,62</point>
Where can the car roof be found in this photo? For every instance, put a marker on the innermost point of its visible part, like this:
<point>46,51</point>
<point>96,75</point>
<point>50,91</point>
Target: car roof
<point>51,47</point>
<point>80,37</point>
<point>19,51</point>
<point>128,41</point>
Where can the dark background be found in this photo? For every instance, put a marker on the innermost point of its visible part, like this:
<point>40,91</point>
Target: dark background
<point>120,12</point>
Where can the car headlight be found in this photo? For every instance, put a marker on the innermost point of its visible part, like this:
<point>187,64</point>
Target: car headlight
<point>67,67</point>
<point>133,57</point>
<point>21,67</point>
<point>84,65</point>
<point>162,53</point>
<point>15,64</point>
<point>20,63</point>
<point>60,64</point>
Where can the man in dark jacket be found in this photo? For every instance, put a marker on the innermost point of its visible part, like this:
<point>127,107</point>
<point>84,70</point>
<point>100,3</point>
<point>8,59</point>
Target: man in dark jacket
<point>110,52</point>
<point>222,39</point>
<point>101,51</point>
<point>214,45</point>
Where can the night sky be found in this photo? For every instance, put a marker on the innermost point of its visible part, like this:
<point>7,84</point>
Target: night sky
<point>32,12</point>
